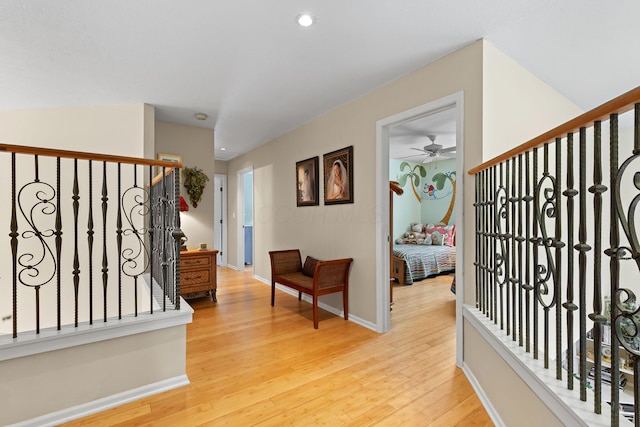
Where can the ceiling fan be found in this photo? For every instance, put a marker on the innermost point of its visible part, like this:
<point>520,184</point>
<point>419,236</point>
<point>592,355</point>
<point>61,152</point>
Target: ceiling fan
<point>433,150</point>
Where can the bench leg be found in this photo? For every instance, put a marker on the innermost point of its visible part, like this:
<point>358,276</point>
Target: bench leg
<point>299,296</point>
<point>315,311</point>
<point>273,293</point>
<point>345,303</point>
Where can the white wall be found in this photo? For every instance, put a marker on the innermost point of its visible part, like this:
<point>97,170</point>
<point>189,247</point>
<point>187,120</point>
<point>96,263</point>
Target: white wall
<point>195,145</point>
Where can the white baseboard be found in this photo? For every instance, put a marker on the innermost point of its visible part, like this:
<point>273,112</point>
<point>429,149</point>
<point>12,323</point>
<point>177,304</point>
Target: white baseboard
<point>488,406</point>
<point>79,411</point>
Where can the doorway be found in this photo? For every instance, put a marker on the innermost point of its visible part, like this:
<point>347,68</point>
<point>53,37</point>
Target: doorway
<point>383,130</point>
<point>245,231</point>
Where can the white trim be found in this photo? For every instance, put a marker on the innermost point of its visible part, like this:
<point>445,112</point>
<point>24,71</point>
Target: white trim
<point>240,216</point>
<point>28,343</point>
<point>563,403</point>
<point>79,411</point>
<point>383,317</point>
<point>488,406</point>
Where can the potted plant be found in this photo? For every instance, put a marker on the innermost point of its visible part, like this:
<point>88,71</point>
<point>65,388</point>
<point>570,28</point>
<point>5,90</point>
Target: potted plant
<point>194,181</point>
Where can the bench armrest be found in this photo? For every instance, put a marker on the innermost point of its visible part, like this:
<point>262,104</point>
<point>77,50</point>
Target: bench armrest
<point>284,262</point>
<point>332,273</point>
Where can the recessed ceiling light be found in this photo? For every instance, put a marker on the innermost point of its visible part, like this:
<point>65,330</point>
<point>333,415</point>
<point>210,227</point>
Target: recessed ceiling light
<point>201,116</point>
<point>223,149</point>
<point>305,20</point>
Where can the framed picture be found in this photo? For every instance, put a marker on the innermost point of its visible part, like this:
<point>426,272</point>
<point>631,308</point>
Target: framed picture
<point>170,158</point>
<point>307,193</point>
<point>338,176</point>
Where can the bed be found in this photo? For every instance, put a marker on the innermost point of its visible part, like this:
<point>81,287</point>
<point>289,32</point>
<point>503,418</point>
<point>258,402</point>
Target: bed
<point>411,262</point>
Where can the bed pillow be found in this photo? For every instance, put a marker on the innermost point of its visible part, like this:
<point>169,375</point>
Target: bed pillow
<point>449,232</point>
<point>309,267</point>
<point>427,240</point>
<point>437,238</point>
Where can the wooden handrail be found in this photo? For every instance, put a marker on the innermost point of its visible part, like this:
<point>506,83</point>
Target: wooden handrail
<point>23,149</point>
<point>621,104</point>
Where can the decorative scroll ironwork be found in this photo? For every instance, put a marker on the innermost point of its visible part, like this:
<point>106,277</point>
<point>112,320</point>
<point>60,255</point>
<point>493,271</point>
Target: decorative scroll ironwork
<point>501,267</point>
<point>136,208</point>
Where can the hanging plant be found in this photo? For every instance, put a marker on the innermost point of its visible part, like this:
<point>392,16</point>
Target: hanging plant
<point>194,181</point>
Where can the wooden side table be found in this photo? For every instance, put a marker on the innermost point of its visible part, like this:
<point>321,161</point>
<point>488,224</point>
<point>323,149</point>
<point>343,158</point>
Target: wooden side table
<point>198,273</point>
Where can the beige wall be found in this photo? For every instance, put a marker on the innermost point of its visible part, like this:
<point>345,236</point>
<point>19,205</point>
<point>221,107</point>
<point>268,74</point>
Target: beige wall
<point>221,167</point>
<point>44,383</point>
<point>516,105</point>
<point>195,145</point>
<point>346,230</point>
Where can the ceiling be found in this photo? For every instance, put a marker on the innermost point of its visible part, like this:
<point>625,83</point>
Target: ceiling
<point>257,74</point>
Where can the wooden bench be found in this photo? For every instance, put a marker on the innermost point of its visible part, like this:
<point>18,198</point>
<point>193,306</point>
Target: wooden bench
<point>315,278</point>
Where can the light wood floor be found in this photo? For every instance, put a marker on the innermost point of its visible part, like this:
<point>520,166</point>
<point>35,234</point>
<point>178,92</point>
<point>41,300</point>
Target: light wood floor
<point>251,364</point>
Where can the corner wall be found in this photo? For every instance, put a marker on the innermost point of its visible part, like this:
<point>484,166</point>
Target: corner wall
<point>195,145</point>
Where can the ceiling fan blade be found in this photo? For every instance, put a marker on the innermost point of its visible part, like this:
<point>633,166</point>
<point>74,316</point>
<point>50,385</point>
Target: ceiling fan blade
<point>420,150</point>
<point>448,149</point>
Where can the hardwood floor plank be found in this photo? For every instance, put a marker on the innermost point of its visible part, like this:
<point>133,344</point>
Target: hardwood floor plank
<point>251,364</point>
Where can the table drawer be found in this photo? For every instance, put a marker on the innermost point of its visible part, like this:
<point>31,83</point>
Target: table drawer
<point>194,277</point>
<point>195,261</point>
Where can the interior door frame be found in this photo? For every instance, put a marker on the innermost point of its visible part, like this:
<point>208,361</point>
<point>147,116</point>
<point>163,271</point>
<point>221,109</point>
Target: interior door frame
<point>383,317</point>
<point>240,216</point>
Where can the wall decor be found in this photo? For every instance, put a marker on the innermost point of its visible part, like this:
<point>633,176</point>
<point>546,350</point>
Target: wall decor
<point>307,180</point>
<point>170,158</point>
<point>194,181</point>
<point>338,176</point>
<point>412,175</point>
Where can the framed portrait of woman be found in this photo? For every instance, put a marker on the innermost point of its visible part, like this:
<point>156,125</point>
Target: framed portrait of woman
<point>307,181</point>
<point>338,176</point>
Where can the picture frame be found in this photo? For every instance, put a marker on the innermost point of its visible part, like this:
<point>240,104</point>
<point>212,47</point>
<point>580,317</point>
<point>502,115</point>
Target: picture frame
<point>338,176</point>
<point>170,158</point>
<point>307,182</point>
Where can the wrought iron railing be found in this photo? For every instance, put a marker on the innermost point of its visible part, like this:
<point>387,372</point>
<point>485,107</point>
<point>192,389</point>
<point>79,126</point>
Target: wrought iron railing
<point>543,213</point>
<point>87,233</point>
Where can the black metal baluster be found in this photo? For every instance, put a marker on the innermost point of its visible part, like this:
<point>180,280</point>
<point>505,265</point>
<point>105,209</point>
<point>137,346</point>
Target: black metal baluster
<point>528,286</point>
<point>513,280</point>
<point>507,252</point>
<point>163,241</point>
<point>483,241</point>
<point>570,305</point>
<point>58,234</point>
<point>76,260</point>
<point>598,319</point>
<point>494,245</point>
<point>582,247</point>
<point>614,265</point>
<point>119,240</point>
<point>559,245</point>
<point>105,260</point>
<point>135,277</point>
<point>535,243</point>
<point>478,259</point>
<point>14,245</point>
<point>520,240</point>
<point>90,234</point>
<point>151,233</point>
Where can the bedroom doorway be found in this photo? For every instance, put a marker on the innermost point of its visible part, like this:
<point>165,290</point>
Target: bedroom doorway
<point>431,132</point>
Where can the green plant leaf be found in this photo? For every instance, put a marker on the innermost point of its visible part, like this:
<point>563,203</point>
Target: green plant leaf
<point>402,180</point>
<point>439,179</point>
